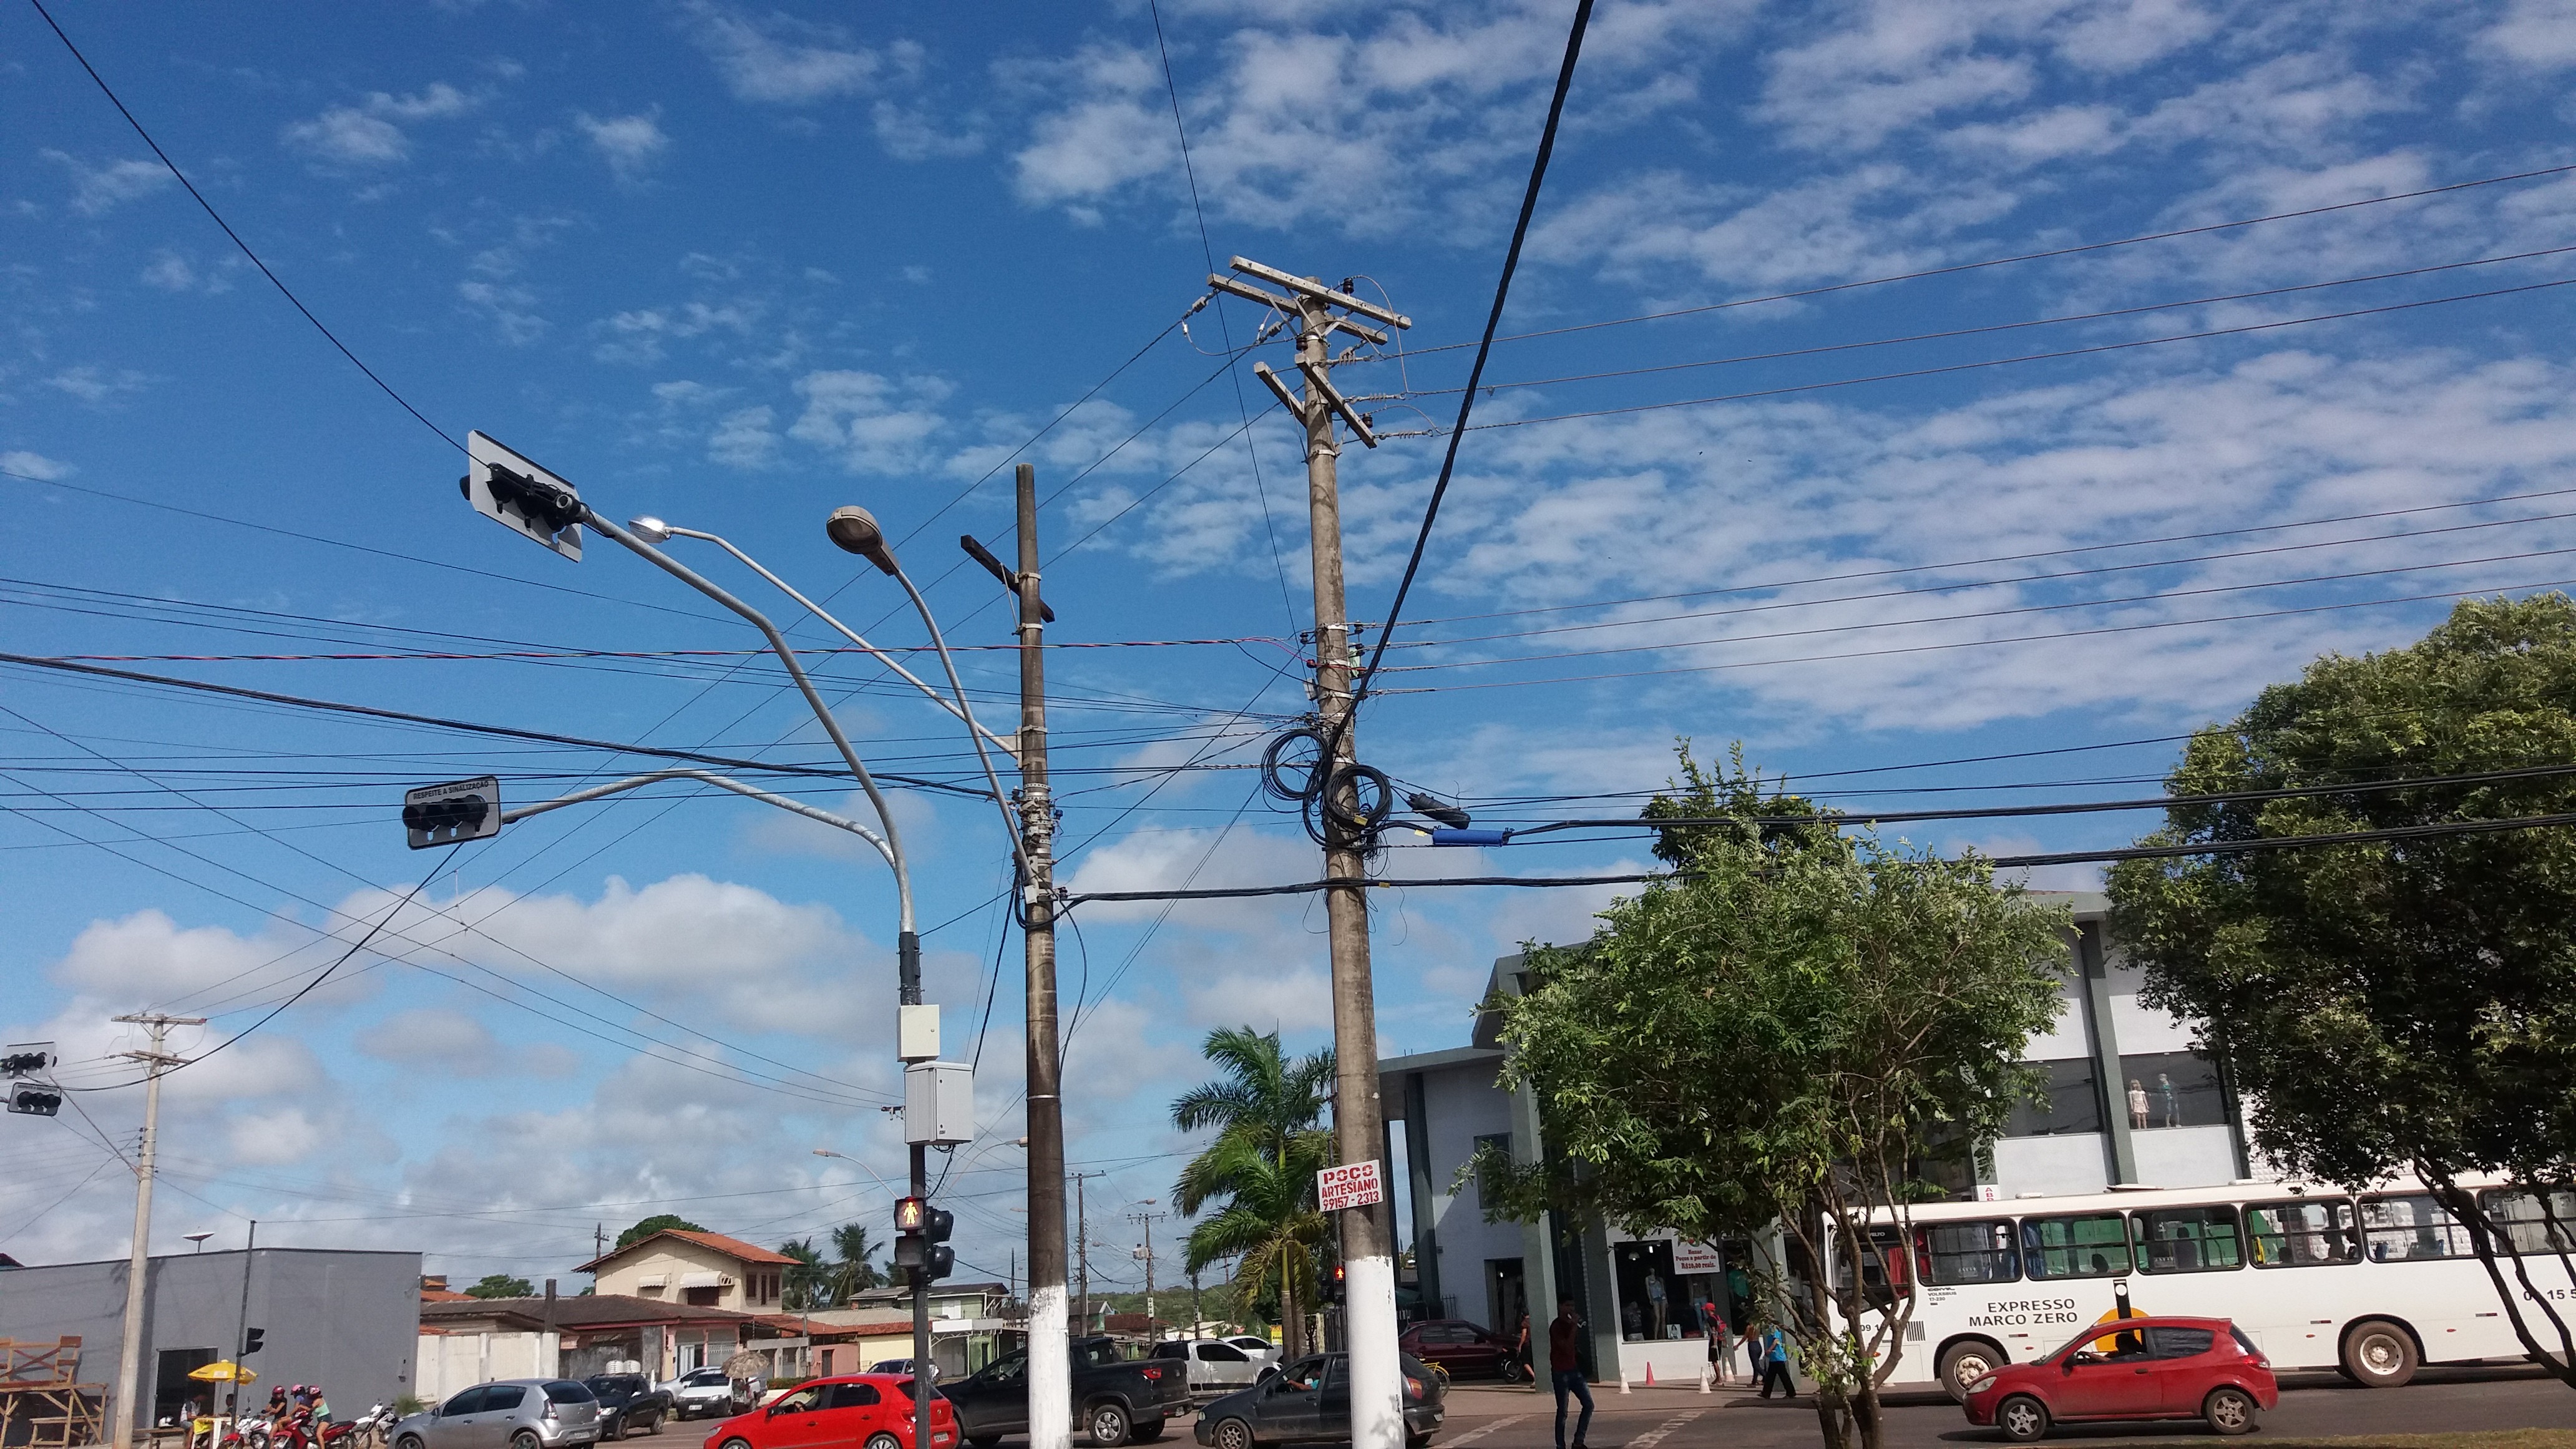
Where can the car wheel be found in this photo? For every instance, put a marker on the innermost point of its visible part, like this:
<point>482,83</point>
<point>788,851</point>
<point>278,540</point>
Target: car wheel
<point>2229,1411</point>
<point>1964,1363</point>
<point>526,1439</point>
<point>737,1444</point>
<point>983,1441</point>
<point>652,1423</point>
<point>883,1441</point>
<point>1233,1434</point>
<point>1108,1425</point>
<point>409,1441</point>
<point>2379,1354</point>
<point>2021,1417</point>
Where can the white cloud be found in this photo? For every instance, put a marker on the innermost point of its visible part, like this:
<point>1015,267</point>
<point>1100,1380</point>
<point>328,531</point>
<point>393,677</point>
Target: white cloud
<point>1264,996</point>
<point>876,424</point>
<point>35,465</point>
<point>366,134</point>
<point>511,309</point>
<point>631,144</point>
<point>96,385</point>
<point>2533,35</point>
<point>171,273</point>
<point>778,60</point>
<point>97,190</point>
<point>744,439</point>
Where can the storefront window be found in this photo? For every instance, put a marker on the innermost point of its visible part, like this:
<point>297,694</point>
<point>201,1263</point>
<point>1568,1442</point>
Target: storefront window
<point>2066,1102</point>
<point>1653,1301</point>
<point>2092,1246</point>
<point>2170,1089</point>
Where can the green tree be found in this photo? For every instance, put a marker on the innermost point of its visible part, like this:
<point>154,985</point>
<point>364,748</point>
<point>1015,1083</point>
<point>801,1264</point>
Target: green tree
<point>502,1285</point>
<point>1262,1166</point>
<point>1795,1029</point>
<point>654,1224</point>
<point>806,1285</point>
<point>855,1267</point>
<point>2394,1005</point>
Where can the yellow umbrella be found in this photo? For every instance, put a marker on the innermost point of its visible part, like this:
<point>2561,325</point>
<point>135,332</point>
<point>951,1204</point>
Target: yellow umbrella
<point>224,1371</point>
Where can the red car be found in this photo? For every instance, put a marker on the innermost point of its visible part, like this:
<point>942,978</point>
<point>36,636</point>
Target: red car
<point>1459,1348</point>
<point>2145,1368</point>
<point>853,1411</point>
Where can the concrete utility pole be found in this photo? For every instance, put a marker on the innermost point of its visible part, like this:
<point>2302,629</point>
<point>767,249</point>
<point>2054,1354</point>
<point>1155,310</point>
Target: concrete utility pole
<point>1146,1253</point>
<point>1359,1130</point>
<point>1050,1367</point>
<point>241,1324</point>
<point>129,1361</point>
<point>1082,1258</point>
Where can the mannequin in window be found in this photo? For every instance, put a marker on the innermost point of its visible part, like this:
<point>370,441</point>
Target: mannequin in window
<point>2170,1099</point>
<point>1654,1304</point>
<point>2137,1105</point>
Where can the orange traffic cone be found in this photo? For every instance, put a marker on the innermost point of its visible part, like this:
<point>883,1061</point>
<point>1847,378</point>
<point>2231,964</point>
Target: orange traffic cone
<point>1650,1373</point>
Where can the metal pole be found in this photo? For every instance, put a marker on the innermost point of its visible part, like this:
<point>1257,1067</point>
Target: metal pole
<point>1050,1363</point>
<point>129,1360</point>
<point>1147,1221</point>
<point>1082,1245</point>
<point>922,1391</point>
<point>1377,1387</point>
<point>241,1325</point>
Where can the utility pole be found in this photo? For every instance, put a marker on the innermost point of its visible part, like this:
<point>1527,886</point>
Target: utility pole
<point>1050,1364</point>
<point>241,1325</point>
<point>129,1362</point>
<point>1082,1255</point>
<point>1147,1221</point>
<point>1197,1318</point>
<point>1377,1375</point>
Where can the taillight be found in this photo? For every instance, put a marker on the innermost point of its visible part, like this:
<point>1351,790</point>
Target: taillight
<point>1153,1373</point>
<point>550,1408</point>
<point>1412,1387</point>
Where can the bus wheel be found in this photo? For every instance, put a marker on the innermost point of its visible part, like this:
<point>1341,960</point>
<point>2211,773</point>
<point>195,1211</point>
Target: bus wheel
<point>1965,1362</point>
<point>2379,1354</point>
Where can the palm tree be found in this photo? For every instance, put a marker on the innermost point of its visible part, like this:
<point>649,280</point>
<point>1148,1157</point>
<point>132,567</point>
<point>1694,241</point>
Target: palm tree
<point>807,1285</point>
<point>1263,1165</point>
<point>856,1268</point>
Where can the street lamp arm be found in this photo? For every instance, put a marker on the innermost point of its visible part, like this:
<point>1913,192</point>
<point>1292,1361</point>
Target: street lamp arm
<point>723,782</point>
<point>845,631</point>
<point>795,671</point>
<point>1010,827</point>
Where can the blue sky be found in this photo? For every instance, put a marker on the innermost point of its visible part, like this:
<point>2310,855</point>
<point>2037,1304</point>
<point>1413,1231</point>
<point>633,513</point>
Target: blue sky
<point>736,266</point>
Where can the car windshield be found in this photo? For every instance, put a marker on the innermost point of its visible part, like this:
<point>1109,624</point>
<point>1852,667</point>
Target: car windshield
<point>2099,1332</point>
<point>565,1391</point>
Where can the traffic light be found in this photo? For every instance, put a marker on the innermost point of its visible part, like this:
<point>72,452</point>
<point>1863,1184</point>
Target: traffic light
<point>457,811</point>
<point>922,1248</point>
<point>35,1099</point>
<point>252,1338</point>
<point>1340,1276</point>
<point>508,488</point>
<point>26,1060</point>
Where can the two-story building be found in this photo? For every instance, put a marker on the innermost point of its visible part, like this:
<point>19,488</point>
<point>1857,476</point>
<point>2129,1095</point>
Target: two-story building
<point>2127,1104</point>
<point>684,1267</point>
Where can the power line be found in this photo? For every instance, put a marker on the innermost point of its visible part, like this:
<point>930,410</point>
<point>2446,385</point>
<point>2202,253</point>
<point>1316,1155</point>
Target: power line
<point>282,289</point>
<point>1484,350</point>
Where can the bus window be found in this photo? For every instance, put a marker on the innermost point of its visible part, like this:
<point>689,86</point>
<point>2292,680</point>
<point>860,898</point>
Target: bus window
<point>2301,1233</point>
<point>2187,1240</point>
<point>1977,1252</point>
<point>2095,1245</point>
<point>2411,1228</point>
<point>1876,1268</point>
<point>2533,1226</point>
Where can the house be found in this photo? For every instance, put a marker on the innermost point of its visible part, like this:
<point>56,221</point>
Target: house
<point>693,1269</point>
<point>468,1340</point>
<point>1639,1290</point>
<point>434,1289</point>
<point>971,1324</point>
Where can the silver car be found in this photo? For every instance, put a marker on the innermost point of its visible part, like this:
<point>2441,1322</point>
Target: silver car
<point>508,1414</point>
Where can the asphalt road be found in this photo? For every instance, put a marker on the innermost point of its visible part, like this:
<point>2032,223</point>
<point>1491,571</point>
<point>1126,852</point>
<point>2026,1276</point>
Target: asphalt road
<point>2312,1406</point>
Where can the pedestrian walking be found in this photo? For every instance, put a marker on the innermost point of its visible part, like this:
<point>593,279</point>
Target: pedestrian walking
<point>1565,1371</point>
<point>1529,1365</point>
<point>1774,1356</point>
<point>1720,1346</point>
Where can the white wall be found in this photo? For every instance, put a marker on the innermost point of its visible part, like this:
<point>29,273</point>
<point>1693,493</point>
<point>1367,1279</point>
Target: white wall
<point>1462,1103</point>
<point>448,1362</point>
<point>2066,1037</point>
<point>2184,1156</point>
<point>2053,1165</point>
<point>2141,1030</point>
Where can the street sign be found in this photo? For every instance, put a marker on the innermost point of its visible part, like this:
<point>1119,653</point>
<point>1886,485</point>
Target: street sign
<point>456,811</point>
<point>1353,1184</point>
<point>508,488</point>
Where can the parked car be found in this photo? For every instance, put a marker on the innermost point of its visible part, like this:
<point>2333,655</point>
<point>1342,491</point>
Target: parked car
<point>1456,1347</point>
<point>507,1414</point>
<point>851,1411</point>
<point>2154,1368</point>
<point>1260,1349</point>
<point>901,1368</point>
<point>1211,1365</point>
<point>1114,1399</point>
<point>701,1392</point>
<point>629,1404</point>
<point>1311,1399</point>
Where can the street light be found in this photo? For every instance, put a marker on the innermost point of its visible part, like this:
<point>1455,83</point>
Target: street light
<point>197,1238</point>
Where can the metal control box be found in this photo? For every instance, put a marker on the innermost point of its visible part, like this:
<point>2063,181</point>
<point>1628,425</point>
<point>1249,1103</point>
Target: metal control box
<point>938,1103</point>
<point>916,1033</point>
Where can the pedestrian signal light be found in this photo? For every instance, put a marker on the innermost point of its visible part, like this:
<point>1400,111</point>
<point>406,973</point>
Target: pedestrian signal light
<point>908,1213</point>
<point>252,1338</point>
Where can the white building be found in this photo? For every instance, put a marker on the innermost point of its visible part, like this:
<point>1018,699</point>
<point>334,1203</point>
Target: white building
<point>1642,1295</point>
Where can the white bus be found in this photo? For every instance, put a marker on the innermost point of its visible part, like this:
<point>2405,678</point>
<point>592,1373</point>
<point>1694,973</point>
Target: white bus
<point>2372,1284</point>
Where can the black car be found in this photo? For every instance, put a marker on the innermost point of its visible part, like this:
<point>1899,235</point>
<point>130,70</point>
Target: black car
<point>1311,1399</point>
<point>1115,1400</point>
<point>628,1404</point>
